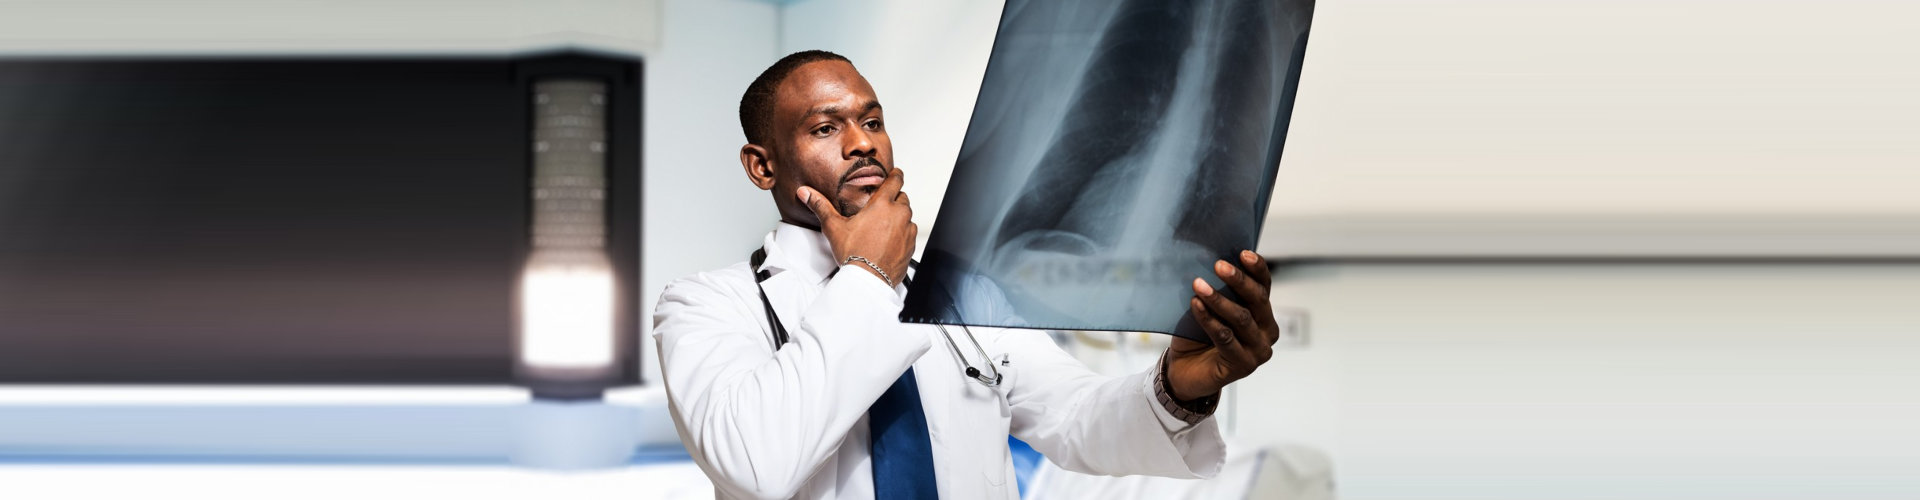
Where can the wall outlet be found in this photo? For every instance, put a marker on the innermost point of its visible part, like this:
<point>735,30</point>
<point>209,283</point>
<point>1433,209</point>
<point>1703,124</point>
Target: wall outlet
<point>1293,328</point>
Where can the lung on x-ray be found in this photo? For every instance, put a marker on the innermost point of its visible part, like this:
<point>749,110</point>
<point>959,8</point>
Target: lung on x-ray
<point>1116,150</point>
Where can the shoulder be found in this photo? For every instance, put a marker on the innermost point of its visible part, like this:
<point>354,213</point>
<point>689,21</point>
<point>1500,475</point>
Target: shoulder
<point>723,280</point>
<point>719,293</point>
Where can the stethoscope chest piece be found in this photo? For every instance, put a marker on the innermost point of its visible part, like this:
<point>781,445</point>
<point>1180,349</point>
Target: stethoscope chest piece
<point>975,374</point>
<point>992,380</point>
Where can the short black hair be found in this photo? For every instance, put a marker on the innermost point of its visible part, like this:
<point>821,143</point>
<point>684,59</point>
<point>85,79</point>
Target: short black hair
<point>756,106</point>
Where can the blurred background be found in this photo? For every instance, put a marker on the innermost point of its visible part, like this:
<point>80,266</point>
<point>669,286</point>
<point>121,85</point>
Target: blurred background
<point>1574,249</point>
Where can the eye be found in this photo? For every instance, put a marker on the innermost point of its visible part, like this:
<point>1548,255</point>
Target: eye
<point>874,125</point>
<point>824,130</point>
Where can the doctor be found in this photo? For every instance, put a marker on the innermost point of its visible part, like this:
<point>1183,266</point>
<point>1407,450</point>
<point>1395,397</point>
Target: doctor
<point>789,374</point>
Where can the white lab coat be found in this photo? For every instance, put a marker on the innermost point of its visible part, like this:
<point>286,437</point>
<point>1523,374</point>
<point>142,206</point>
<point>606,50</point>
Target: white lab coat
<point>792,423</point>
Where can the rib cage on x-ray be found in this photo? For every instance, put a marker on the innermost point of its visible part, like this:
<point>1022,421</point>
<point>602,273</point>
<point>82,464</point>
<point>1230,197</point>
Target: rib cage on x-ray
<point>1116,150</point>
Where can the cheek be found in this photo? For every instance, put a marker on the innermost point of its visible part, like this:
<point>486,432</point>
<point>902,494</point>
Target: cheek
<point>805,169</point>
<point>816,174</point>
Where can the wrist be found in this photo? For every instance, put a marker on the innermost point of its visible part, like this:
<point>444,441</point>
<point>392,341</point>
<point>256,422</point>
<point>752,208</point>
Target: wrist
<point>1190,394</point>
<point>1180,384</point>
<point>1189,411</point>
<point>871,267</point>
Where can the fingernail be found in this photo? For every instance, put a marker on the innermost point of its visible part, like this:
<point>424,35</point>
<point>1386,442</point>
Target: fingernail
<point>1200,285</point>
<point>1248,256</point>
<point>804,196</point>
<point>1222,267</point>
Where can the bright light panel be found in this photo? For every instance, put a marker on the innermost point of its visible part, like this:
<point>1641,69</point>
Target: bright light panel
<point>566,315</point>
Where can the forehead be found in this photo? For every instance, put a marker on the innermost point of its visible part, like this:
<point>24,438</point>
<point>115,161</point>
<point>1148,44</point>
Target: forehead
<point>822,83</point>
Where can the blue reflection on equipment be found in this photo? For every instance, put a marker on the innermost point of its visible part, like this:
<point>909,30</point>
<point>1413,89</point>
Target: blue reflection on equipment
<point>541,435</point>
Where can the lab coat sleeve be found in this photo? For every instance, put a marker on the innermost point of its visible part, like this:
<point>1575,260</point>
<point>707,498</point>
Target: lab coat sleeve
<point>759,421</point>
<point>1094,424</point>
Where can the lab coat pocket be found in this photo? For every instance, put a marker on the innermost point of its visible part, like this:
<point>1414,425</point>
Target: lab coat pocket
<point>987,440</point>
<point>987,429</point>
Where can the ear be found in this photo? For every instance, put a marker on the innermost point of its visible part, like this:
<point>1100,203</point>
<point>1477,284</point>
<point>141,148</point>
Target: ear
<point>758,164</point>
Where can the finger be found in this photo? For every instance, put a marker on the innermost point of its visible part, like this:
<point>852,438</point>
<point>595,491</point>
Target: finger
<point>1230,314</point>
<point>1253,295</point>
<point>1260,271</point>
<point>901,198</point>
<point>891,186</point>
<point>1232,347</point>
<point>1222,336</point>
<point>1256,267</point>
<point>821,208</point>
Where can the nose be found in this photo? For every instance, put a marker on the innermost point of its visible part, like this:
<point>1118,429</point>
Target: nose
<point>859,143</point>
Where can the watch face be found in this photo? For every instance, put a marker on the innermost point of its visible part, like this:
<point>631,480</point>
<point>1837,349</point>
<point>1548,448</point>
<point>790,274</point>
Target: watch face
<point>1116,150</point>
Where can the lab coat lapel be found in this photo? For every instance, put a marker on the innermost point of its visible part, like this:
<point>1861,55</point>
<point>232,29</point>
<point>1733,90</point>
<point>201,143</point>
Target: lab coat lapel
<point>790,294</point>
<point>795,279</point>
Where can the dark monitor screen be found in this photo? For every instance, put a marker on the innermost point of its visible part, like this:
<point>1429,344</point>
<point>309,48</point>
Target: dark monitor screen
<point>273,220</point>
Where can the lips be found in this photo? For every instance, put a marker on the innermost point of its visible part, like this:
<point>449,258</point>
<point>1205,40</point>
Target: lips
<point>869,175</point>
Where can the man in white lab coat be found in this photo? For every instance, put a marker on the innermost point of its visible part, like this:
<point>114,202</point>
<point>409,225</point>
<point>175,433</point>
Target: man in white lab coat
<point>790,375</point>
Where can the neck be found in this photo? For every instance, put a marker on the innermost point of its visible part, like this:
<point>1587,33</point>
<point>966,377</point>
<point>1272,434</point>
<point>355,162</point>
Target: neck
<point>789,220</point>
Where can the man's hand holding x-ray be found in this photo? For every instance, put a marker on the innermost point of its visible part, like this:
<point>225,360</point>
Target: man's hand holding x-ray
<point>1243,333</point>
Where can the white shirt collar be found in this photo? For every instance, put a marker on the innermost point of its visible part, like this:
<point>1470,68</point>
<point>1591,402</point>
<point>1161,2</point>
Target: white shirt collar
<point>792,247</point>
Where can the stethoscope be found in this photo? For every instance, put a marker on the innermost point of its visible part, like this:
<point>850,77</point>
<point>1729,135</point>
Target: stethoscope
<point>989,377</point>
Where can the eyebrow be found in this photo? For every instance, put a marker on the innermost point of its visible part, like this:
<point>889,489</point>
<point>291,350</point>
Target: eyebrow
<point>831,109</point>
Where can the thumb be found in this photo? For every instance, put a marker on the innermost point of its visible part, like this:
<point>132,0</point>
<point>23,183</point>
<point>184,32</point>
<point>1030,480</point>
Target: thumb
<point>822,209</point>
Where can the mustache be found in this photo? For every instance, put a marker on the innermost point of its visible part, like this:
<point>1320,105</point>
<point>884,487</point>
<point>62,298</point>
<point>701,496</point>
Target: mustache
<point>860,164</point>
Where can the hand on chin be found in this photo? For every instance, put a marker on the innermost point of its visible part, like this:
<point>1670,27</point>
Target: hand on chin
<point>880,231</point>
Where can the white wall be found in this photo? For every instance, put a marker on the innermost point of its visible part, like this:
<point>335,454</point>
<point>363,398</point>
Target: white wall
<point>701,212</point>
<point>1604,127</point>
<point>1656,381</point>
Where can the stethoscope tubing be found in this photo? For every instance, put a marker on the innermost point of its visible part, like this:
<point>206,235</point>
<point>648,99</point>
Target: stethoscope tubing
<point>780,337</point>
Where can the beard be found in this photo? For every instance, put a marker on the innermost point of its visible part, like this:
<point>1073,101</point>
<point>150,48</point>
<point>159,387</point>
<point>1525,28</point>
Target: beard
<point>846,206</point>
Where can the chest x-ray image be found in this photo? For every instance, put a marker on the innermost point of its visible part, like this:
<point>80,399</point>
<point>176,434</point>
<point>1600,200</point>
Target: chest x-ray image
<point>1116,150</point>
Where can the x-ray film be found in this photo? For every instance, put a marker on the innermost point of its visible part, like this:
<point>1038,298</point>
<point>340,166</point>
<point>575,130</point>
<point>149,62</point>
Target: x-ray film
<point>1117,149</point>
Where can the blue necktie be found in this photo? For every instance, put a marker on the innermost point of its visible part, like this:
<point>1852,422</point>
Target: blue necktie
<point>902,451</point>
